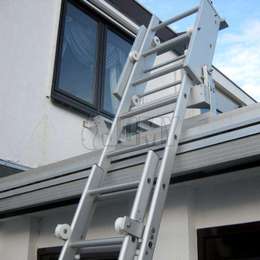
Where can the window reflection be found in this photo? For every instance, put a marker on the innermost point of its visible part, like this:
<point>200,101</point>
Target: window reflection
<point>78,57</point>
<point>117,50</point>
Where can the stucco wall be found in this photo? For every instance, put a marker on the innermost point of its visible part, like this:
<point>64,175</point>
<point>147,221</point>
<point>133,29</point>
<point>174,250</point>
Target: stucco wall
<point>34,131</point>
<point>217,201</point>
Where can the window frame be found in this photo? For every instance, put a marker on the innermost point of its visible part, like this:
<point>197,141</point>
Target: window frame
<point>204,235</point>
<point>61,97</point>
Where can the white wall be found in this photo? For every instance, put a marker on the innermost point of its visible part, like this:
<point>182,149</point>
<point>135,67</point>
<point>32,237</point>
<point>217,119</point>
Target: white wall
<point>15,239</point>
<point>217,201</point>
<point>34,132</point>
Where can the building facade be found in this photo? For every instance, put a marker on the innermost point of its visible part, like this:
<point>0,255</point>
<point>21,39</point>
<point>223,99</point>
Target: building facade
<point>60,61</point>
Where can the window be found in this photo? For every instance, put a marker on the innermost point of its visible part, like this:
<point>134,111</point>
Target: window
<point>78,57</point>
<point>91,54</point>
<point>240,242</point>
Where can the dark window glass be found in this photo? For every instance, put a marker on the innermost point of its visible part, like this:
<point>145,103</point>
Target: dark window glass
<point>78,56</point>
<point>234,242</point>
<point>91,54</point>
<point>117,50</point>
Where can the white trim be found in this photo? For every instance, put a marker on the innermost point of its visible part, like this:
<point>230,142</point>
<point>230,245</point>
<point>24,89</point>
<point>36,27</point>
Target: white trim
<point>229,88</point>
<point>113,15</point>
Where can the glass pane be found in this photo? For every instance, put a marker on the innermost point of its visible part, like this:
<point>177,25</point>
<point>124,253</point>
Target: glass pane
<point>78,57</point>
<point>117,50</point>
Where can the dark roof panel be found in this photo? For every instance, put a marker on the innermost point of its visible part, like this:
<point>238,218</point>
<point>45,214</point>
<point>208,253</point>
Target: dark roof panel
<point>141,16</point>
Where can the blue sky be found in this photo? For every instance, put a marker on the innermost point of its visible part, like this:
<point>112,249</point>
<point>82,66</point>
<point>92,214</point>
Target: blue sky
<point>238,48</point>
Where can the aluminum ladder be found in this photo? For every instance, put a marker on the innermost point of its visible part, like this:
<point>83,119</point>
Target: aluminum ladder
<point>139,233</point>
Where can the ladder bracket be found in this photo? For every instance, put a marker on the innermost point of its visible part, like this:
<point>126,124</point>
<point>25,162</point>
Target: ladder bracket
<point>128,226</point>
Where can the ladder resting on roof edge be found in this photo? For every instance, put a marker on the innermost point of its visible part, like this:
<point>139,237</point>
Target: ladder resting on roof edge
<point>138,234</point>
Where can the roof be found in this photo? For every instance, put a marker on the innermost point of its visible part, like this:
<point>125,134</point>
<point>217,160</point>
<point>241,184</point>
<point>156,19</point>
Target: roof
<point>140,15</point>
<point>231,88</point>
<point>210,145</point>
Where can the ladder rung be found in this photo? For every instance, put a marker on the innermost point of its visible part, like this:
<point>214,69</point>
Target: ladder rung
<point>160,102</point>
<point>165,46</point>
<point>97,242</point>
<point>157,74</point>
<point>109,196</point>
<point>165,63</point>
<point>176,18</point>
<point>134,148</point>
<point>115,188</point>
<point>152,91</point>
<point>150,111</point>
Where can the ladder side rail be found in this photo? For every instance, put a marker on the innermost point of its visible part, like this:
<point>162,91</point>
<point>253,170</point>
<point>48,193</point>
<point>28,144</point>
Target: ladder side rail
<point>83,214</point>
<point>140,205</point>
<point>127,96</point>
<point>203,37</point>
<point>86,205</point>
<point>210,85</point>
<point>164,175</point>
<point>203,41</point>
<point>129,65</point>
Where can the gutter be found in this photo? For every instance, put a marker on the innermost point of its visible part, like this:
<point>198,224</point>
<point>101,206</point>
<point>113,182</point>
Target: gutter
<point>213,145</point>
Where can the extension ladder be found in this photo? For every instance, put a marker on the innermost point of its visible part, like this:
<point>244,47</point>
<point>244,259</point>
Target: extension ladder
<point>140,232</point>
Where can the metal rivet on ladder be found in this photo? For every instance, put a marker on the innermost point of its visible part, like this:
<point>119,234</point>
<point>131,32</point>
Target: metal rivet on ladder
<point>136,100</point>
<point>156,41</point>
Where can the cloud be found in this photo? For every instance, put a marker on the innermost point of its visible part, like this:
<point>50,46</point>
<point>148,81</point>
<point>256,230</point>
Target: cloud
<point>239,56</point>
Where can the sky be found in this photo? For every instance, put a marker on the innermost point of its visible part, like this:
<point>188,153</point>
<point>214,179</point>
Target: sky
<point>238,47</point>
